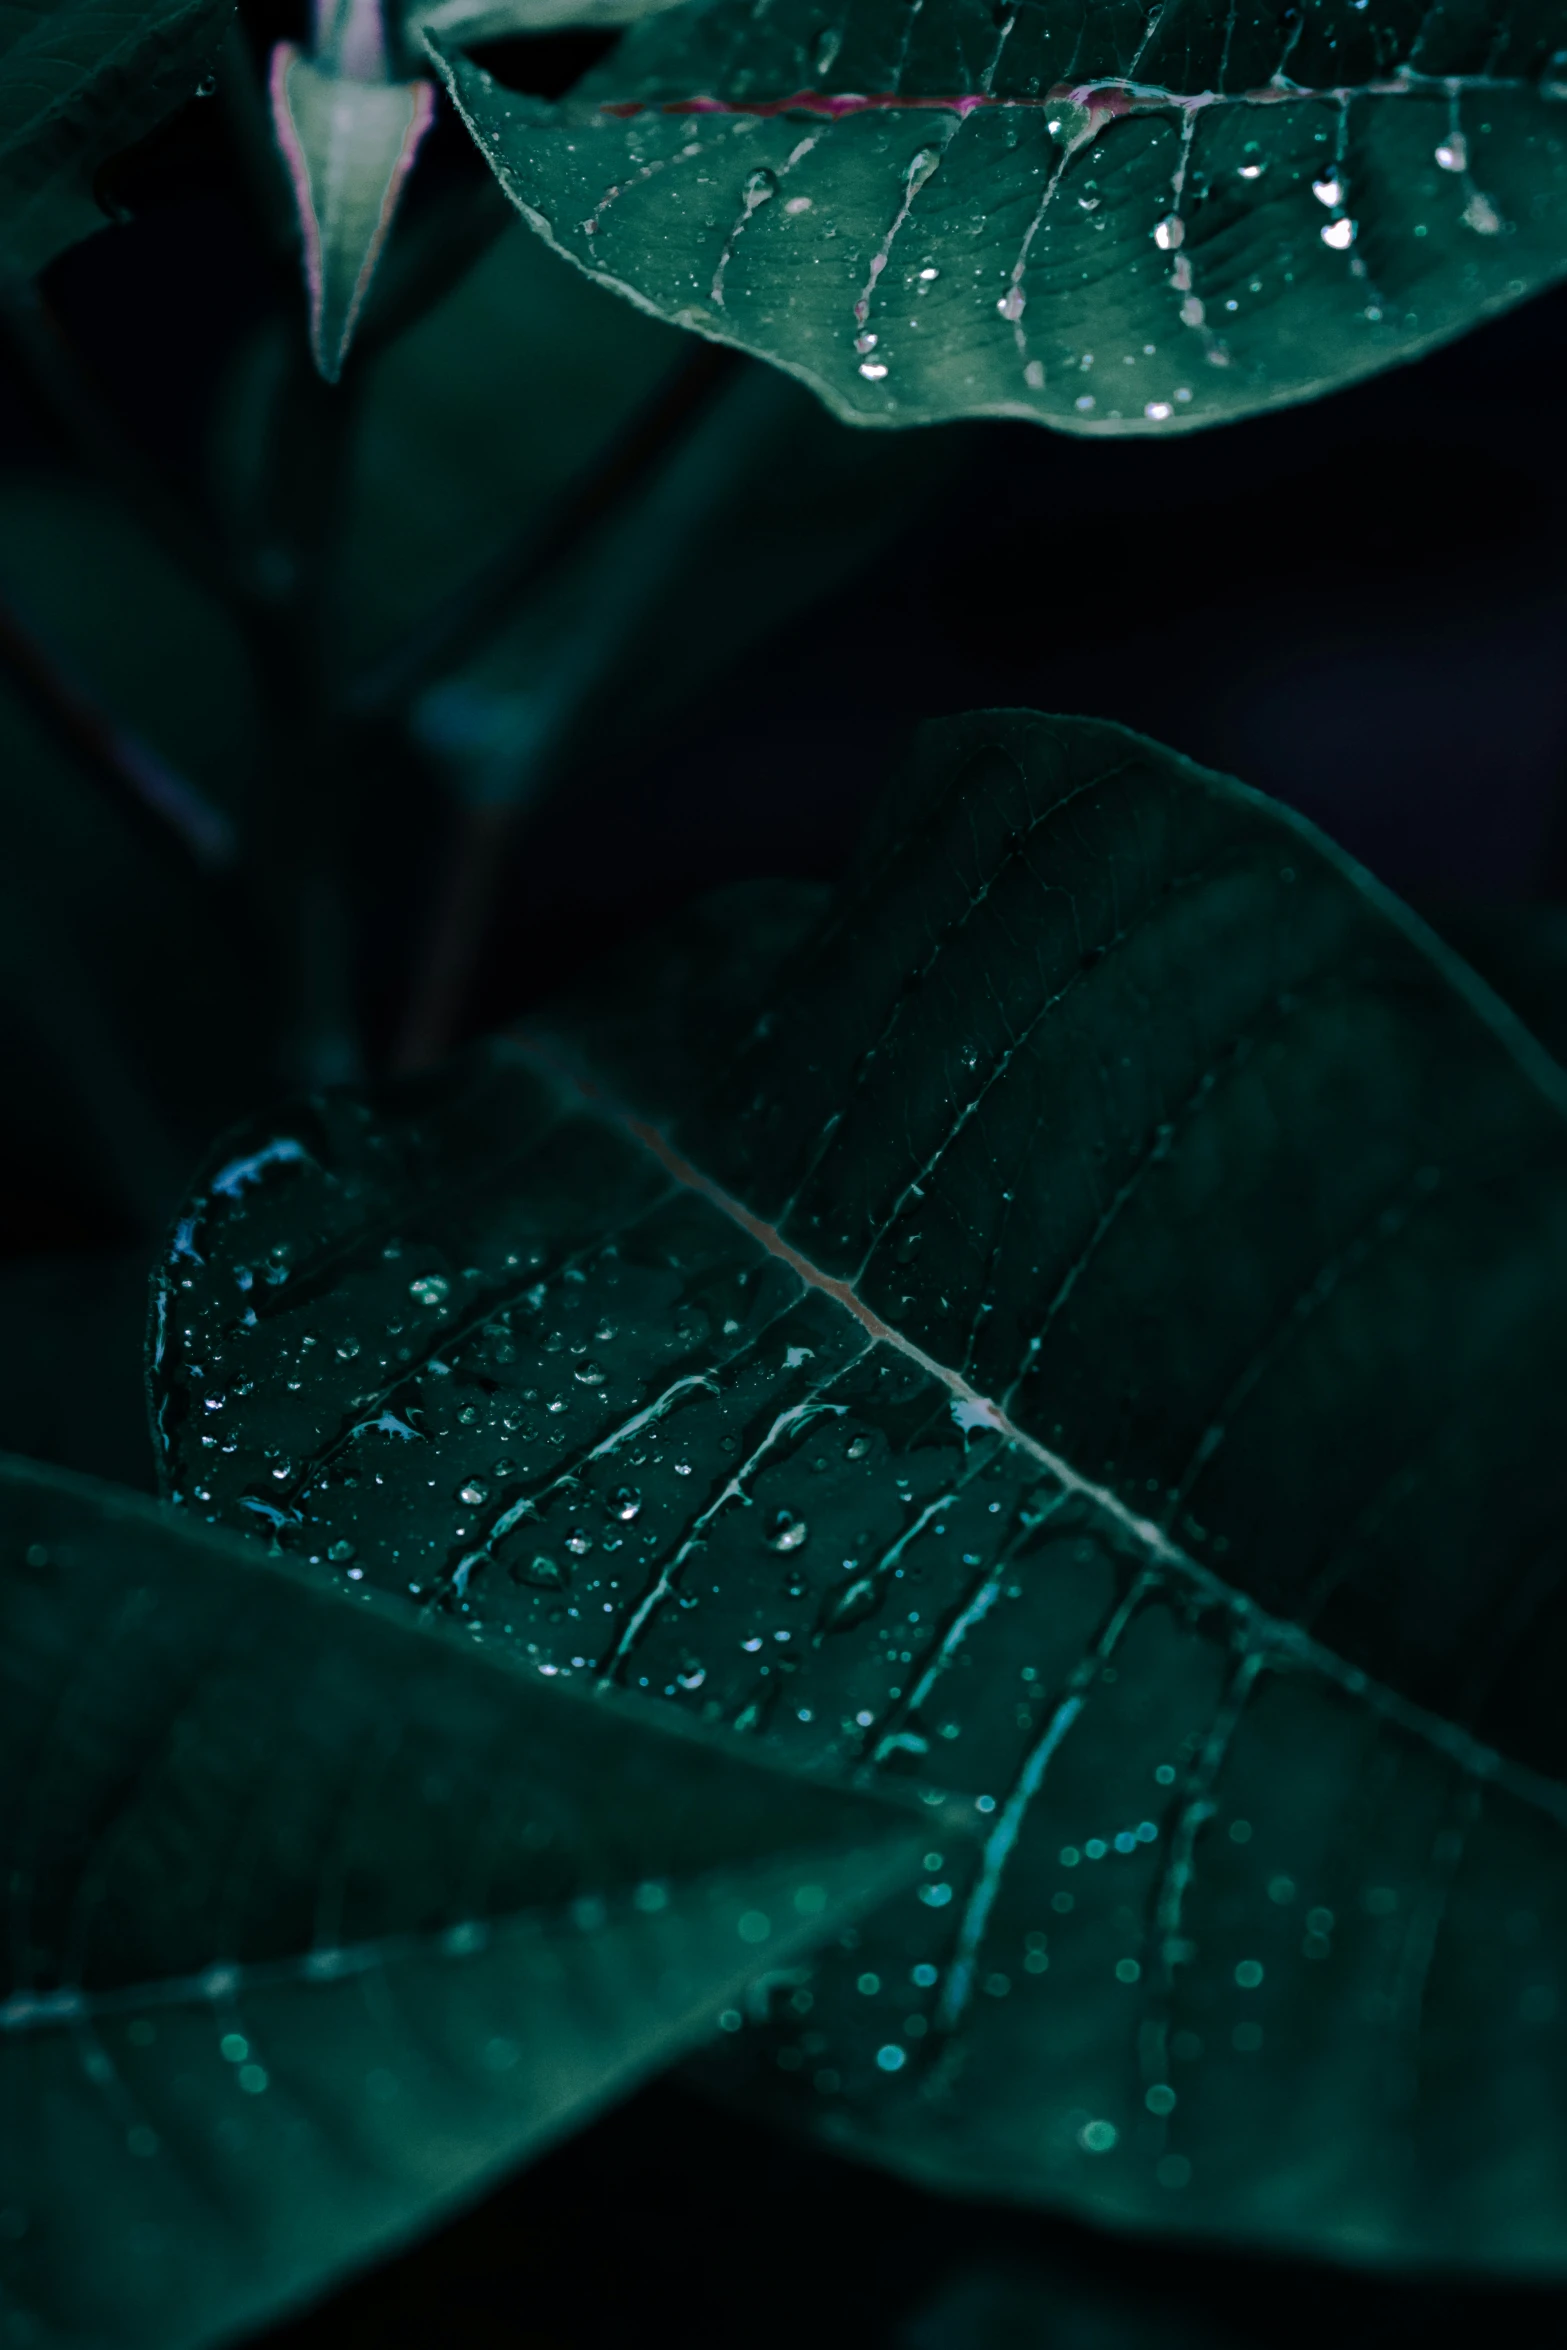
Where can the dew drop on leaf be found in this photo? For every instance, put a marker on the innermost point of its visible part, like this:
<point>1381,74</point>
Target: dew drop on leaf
<point>545,1574</point>
<point>625,1502</point>
<point>430,1289</point>
<point>788,1531</point>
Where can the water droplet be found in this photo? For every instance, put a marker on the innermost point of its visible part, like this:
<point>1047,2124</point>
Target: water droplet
<point>1340,234</point>
<point>872,370</point>
<point>545,1574</point>
<point>1011,303</point>
<point>851,1603</point>
<point>579,1542</point>
<point>1329,189</point>
<point>557,1403</point>
<point>928,277</point>
<point>590,1373</point>
<point>759,188</point>
<point>788,1531</point>
<point>856,1448</point>
<point>347,1348</point>
<point>682,1468</point>
<point>1157,410</point>
<point>796,205</point>
<point>1097,2137</point>
<point>624,1503</point>
<point>1481,215</point>
<point>1170,232</point>
<point>1252,171</point>
<point>1453,153</point>
<point>340,1551</point>
<point>691,1674</point>
<point>430,1289</point>
<point>473,1493</point>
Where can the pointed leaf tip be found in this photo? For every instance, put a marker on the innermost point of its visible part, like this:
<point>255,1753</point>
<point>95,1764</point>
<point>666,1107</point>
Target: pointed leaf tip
<point>349,146</point>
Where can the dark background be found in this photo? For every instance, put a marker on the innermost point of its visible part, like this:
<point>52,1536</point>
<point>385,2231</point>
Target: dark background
<point>1357,606</point>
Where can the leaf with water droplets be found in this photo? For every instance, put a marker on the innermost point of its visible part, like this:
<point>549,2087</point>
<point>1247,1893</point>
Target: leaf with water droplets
<point>1190,1499</point>
<point>1111,223</point>
<point>80,81</point>
<point>319,1917</point>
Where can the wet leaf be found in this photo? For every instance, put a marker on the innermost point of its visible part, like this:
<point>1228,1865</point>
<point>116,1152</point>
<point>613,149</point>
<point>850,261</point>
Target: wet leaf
<point>319,1917</point>
<point>1089,1333</point>
<point>80,80</point>
<point>1136,221</point>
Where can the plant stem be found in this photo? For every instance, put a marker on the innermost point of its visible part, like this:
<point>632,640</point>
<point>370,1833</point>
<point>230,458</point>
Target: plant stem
<point>159,799</point>
<point>476,608</point>
<point>663,504</point>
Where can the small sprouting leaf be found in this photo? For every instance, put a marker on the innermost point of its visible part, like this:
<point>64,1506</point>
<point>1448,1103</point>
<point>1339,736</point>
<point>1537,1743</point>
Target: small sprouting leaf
<point>1133,220</point>
<point>318,1917</point>
<point>1126,1255</point>
<point>349,135</point>
<point>80,80</point>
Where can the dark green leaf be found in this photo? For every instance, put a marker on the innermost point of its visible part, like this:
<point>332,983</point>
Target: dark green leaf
<point>1130,221</point>
<point>1096,1339</point>
<point>318,1917</point>
<point>79,81</point>
<point>131,1022</point>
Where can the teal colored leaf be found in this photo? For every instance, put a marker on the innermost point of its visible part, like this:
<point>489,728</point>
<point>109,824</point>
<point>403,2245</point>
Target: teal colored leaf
<point>349,142</point>
<point>1086,1329</point>
<point>79,81</point>
<point>318,1917</point>
<point>1125,220</point>
<point>112,922</point>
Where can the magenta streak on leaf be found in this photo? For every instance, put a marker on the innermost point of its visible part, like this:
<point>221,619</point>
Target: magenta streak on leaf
<point>1101,101</point>
<point>420,119</point>
<point>293,153</point>
<point>421,114</point>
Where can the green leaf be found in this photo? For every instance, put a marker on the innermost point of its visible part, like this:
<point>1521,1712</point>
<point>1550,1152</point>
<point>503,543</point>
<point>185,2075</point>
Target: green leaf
<point>116,941</point>
<point>319,1917</point>
<point>349,143</point>
<point>79,81</point>
<point>1132,221</point>
<point>1090,1332</point>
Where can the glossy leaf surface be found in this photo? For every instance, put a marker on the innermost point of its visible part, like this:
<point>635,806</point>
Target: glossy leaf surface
<point>1088,1332</point>
<point>79,81</point>
<point>318,1917</point>
<point>1124,220</point>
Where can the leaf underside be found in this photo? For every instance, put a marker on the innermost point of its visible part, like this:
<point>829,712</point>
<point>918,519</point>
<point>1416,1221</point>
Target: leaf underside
<point>80,80</point>
<point>316,1920</point>
<point>1093,1342</point>
<point>1109,220</point>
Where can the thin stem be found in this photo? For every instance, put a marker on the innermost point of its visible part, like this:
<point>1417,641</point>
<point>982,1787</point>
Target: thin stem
<point>158,797</point>
<point>674,490</point>
<point>543,546</point>
<point>67,391</point>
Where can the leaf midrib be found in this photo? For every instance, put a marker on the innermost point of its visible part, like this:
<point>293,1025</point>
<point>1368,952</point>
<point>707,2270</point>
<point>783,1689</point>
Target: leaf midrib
<point>1261,1630</point>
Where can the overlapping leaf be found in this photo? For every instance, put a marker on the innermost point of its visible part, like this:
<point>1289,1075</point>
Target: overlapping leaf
<point>1113,220</point>
<point>79,81</point>
<point>317,1919</point>
<point>1089,1333</point>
